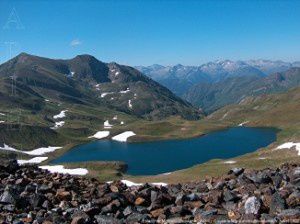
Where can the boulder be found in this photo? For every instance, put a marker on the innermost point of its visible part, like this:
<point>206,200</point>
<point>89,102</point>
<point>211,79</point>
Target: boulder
<point>252,205</point>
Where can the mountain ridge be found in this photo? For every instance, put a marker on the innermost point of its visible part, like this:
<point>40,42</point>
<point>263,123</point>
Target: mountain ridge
<point>86,79</point>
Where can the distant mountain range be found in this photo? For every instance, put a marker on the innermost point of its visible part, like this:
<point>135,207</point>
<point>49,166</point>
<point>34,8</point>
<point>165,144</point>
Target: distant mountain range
<point>216,84</point>
<point>88,81</point>
<point>180,78</point>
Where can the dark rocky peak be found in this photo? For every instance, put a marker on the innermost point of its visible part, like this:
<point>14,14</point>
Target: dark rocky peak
<point>88,68</point>
<point>85,58</point>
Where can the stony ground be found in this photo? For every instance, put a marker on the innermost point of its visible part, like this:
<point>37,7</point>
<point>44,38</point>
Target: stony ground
<point>32,195</point>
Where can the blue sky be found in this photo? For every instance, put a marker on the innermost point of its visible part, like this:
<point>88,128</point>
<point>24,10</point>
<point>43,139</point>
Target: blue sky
<point>147,32</point>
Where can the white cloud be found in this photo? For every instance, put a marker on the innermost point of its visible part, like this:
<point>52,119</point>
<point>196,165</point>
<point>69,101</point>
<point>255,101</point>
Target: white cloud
<point>75,42</point>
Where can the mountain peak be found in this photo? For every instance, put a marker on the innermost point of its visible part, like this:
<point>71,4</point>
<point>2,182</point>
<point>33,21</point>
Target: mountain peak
<point>85,57</point>
<point>23,54</point>
<point>23,57</point>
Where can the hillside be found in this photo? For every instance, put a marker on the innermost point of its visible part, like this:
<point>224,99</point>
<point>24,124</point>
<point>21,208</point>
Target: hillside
<point>86,93</point>
<point>212,96</point>
<point>270,110</point>
<point>86,80</point>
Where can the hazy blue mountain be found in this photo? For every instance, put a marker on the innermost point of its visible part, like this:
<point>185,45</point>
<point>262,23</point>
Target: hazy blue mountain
<point>180,78</point>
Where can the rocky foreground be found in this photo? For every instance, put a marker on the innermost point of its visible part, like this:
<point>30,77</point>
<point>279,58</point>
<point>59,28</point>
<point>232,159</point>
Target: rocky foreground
<point>31,195</point>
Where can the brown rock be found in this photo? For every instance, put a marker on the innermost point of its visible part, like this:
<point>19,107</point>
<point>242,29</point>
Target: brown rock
<point>293,200</point>
<point>215,196</point>
<point>47,222</point>
<point>114,189</point>
<point>156,213</point>
<point>78,220</point>
<point>193,204</point>
<point>27,220</point>
<point>233,215</point>
<point>267,200</point>
<point>130,197</point>
<point>63,195</point>
<point>139,201</point>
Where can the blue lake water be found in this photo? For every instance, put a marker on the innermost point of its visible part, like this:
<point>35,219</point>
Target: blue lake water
<point>150,158</point>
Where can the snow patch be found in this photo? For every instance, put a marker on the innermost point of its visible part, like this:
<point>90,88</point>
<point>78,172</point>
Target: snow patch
<point>125,91</point>
<point>132,184</point>
<point>46,100</point>
<point>122,122</point>
<point>261,158</point>
<point>289,145</point>
<point>105,94</point>
<point>166,174</point>
<point>230,162</point>
<point>58,124</point>
<point>243,123</point>
<point>61,169</point>
<point>159,184</point>
<point>35,152</point>
<point>2,114</point>
<point>34,160</point>
<point>123,136</point>
<point>115,117</point>
<point>62,114</point>
<point>100,134</point>
<point>130,104</point>
<point>225,115</point>
<point>107,124</point>
<point>2,122</point>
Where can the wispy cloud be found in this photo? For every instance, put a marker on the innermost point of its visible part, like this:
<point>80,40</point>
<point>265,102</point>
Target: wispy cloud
<point>75,43</point>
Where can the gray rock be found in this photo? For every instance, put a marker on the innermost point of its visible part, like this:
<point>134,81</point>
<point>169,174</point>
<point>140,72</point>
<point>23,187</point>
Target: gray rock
<point>267,218</point>
<point>290,214</point>
<point>263,178</point>
<point>252,205</point>
<point>138,218</point>
<point>277,179</point>
<point>7,198</point>
<point>192,197</point>
<point>236,171</point>
<point>208,214</point>
<point>277,203</point>
<point>127,211</point>
<point>230,196</point>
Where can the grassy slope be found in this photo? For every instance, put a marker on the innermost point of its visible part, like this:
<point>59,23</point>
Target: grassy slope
<point>103,171</point>
<point>278,110</point>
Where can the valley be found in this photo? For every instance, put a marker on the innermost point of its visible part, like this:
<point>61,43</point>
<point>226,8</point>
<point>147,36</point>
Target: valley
<point>80,107</point>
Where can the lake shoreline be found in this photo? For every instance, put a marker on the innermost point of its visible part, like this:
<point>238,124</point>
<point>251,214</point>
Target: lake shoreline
<point>156,146</point>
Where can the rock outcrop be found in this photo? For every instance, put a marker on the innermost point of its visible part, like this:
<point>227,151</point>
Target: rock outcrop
<point>31,195</point>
